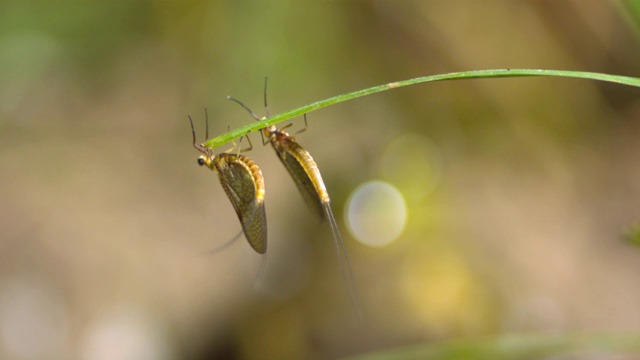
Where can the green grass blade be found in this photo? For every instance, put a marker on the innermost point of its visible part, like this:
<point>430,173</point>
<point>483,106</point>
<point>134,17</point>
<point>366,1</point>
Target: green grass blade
<point>517,347</point>
<point>477,74</point>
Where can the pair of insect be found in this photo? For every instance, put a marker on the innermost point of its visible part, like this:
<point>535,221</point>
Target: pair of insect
<point>243,183</point>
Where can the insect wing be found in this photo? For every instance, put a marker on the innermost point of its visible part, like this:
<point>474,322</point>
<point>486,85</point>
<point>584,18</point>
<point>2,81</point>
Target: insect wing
<point>305,173</point>
<point>243,183</point>
<point>301,167</point>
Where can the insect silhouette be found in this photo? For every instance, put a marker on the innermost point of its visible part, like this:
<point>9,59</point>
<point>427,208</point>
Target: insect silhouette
<point>306,175</point>
<point>243,183</point>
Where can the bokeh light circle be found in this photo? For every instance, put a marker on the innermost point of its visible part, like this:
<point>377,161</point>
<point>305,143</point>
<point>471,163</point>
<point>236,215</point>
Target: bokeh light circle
<point>413,163</point>
<point>376,213</point>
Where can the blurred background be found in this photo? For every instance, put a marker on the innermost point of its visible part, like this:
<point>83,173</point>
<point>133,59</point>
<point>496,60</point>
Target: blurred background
<point>469,208</point>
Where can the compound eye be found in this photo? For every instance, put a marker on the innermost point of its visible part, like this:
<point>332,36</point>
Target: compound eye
<point>201,161</point>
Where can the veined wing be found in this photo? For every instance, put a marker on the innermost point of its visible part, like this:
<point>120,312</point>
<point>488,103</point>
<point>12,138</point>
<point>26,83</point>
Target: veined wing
<point>304,171</point>
<point>243,183</point>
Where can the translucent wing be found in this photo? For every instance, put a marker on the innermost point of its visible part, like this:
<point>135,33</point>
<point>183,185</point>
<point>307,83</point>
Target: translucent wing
<point>243,183</point>
<point>304,172</point>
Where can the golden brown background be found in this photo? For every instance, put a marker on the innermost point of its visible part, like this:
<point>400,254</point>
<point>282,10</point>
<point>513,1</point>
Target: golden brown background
<point>517,204</point>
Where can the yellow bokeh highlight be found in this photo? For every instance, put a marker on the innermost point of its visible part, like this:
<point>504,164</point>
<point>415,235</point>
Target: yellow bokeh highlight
<point>442,291</point>
<point>413,163</point>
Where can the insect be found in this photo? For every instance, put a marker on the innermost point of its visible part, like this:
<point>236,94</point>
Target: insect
<point>306,175</point>
<point>243,183</point>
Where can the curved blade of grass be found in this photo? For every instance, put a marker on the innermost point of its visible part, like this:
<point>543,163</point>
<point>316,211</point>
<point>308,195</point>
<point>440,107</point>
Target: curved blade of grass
<point>232,135</point>
<point>517,347</point>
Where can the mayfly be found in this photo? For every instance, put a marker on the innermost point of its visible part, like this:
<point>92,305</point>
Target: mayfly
<point>306,175</point>
<point>243,183</point>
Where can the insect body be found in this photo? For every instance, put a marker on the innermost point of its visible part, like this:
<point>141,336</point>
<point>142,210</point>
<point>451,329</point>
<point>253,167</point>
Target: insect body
<point>306,175</point>
<point>302,168</point>
<point>243,183</point>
